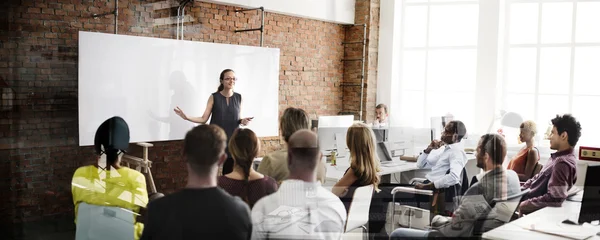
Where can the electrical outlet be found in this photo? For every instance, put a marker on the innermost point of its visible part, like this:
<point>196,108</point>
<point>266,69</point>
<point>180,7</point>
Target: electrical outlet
<point>589,153</point>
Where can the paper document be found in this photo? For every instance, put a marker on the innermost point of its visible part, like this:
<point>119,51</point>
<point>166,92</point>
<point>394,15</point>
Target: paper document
<point>578,232</point>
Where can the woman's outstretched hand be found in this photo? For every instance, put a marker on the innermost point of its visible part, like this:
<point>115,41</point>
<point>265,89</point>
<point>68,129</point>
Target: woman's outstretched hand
<point>179,112</point>
<point>247,120</point>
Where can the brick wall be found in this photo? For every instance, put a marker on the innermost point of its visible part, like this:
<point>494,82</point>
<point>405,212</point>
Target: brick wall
<point>366,12</point>
<point>38,63</point>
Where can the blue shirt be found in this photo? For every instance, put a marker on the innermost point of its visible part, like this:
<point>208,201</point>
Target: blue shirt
<point>451,157</point>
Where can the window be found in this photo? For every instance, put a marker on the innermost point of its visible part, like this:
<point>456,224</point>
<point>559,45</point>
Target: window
<point>439,60</point>
<point>544,61</point>
<point>552,54</point>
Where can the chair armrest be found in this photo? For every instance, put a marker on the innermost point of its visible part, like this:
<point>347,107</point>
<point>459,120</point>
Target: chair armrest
<point>417,180</point>
<point>412,190</point>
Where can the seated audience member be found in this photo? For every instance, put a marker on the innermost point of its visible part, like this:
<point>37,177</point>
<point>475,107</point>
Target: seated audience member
<point>243,181</point>
<point>364,164</point>
<point>201,209</point>
<point>446,164</point>
<point>550,186</point>
<point>275,164</point>
<point>364,168</point>
<point>524,162</point>
<point>106,181</point>
<point>381,113</point>
<point>496,183</point>
<point>452,157</point>
<point>300,195</point>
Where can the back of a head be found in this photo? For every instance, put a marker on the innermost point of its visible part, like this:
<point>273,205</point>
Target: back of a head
<point>495,146</point>
<point>292,120</point>
<point>203,146</point>
<point>111,137</point>
<point>459,128</point>
<point>361,141</point>
<point>303,150</point>
<point>244,147</point>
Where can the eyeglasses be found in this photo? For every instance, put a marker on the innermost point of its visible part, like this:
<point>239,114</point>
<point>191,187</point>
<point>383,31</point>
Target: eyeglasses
<point>229,79</point>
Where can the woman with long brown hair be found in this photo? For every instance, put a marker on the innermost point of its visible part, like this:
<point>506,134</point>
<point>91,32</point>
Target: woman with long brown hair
<point>244,181</point>
<point>364,163</point>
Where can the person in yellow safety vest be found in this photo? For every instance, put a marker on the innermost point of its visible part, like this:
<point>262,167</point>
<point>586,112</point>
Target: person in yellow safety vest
<point>106,183</point>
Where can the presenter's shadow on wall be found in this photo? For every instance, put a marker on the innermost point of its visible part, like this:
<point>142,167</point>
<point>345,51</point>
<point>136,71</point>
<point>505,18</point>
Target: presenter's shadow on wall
<point>183,95</point>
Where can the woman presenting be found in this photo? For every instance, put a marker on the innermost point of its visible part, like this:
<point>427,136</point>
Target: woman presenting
<point>224,106</point>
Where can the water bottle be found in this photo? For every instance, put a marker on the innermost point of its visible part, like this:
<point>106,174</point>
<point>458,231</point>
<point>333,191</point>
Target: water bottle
<point>333,158</point>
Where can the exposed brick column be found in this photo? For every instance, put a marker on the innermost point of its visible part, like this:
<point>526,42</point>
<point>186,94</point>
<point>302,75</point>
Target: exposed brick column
<point>367,11</point>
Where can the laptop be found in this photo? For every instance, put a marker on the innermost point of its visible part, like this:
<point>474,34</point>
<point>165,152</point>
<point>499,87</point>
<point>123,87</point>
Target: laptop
<point>590,202</point>
<point>380,134</point>
<point>383,152</point>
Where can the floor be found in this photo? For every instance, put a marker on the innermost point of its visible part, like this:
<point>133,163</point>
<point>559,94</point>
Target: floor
<point>55,229</point>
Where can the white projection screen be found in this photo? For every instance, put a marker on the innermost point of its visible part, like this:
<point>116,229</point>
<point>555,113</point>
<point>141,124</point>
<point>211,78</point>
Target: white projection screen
<point>143,79</point>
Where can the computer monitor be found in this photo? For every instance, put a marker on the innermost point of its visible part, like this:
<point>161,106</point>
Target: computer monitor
<point>332,138</point>
<point>381,134</point>
<point>590,202</point>
<point>336,121</point>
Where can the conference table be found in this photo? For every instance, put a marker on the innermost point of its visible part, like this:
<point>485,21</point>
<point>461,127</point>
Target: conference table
<point>547,223</point>
<point>336,172</point>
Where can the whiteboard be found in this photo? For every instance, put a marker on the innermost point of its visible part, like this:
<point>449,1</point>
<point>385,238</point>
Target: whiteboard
<point>143,79</point>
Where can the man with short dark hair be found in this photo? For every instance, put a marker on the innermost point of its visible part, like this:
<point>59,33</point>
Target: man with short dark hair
<point>201,209</point>
<point>452,158</point>
<point>550,186</point>
<point>322,214</point>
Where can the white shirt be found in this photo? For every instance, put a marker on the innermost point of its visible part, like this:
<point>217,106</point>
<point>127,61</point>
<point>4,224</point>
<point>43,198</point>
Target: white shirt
<point>379,124</point>
<point>451,157</point>
<point>324,211</point>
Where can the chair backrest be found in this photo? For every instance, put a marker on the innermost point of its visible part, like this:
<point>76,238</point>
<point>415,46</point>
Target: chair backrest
<point>537,169</point>
<point>358,213</point>
<point>504,209</point>
<point>102,222</point>
<point>453,193</point>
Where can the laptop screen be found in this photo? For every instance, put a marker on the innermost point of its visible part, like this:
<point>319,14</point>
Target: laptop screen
<point>590,202</point>
<point>383,152</point>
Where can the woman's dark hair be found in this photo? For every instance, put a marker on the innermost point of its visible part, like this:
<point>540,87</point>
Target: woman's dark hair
<point>221,77</point>
<point>113,135</point>
<point>244,147</point>
<point>568,123</point>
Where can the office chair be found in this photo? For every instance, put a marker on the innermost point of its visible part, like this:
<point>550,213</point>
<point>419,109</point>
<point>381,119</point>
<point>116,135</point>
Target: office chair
<point>505,209</point>
<point>358,213</point>
<point>419,218</point>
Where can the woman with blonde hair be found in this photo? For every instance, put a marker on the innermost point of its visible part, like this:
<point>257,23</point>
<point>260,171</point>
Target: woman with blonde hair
<point>275,164</point>
<point>364,163</point>
<point>524,163</point>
